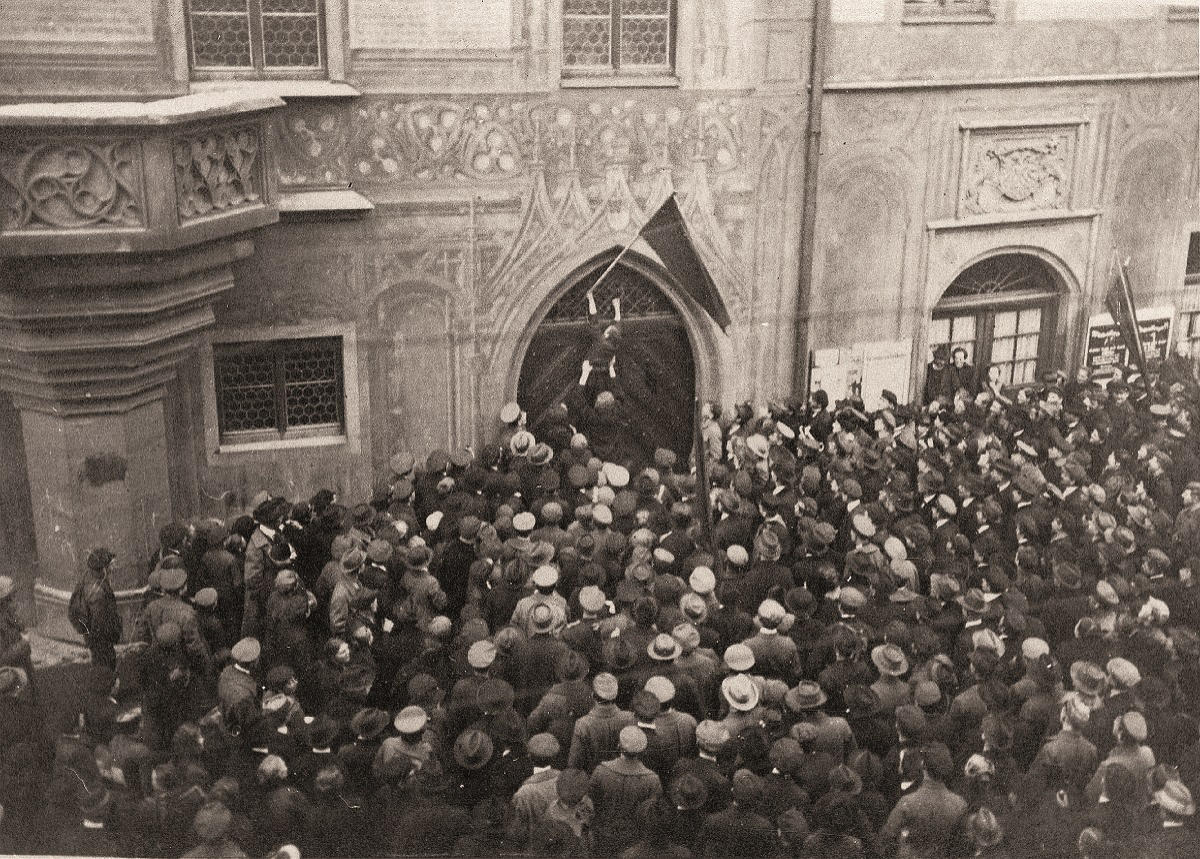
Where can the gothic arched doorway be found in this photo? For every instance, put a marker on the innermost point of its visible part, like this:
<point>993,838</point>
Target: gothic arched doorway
<point>1002,311</point>
<point>656,372</point>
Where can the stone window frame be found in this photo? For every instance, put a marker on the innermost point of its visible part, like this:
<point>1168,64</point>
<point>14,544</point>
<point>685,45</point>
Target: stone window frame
<point>221,452</point>
<point>573,78</point>
<point>275,356</point>
<point>333,54</point>
<point>948,11</point>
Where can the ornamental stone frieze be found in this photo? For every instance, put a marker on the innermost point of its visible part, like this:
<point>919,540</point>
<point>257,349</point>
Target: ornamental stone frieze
<point>446,141</point>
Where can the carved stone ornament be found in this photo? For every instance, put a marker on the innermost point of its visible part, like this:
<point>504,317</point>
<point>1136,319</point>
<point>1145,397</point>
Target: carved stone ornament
<point>313,147</point>
<point>1017,174</point>
<point>71,185</point>
<point>217,171</point>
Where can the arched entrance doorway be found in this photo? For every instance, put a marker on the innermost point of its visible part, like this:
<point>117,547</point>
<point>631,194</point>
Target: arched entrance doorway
<point>655,366</point>
<point>1003,311</point>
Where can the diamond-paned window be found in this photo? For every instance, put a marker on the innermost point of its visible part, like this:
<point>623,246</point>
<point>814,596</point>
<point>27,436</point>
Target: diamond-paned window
<point>279,389</point>
<point>270,36</point>
<point>610,37</point>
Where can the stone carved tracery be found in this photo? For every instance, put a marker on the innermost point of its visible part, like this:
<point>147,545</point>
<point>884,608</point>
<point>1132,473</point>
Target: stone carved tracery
<point>57,184</point>
<point>216,171</point>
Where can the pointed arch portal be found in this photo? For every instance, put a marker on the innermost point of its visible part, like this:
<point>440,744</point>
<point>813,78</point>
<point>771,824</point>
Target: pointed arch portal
<point>656,365</point>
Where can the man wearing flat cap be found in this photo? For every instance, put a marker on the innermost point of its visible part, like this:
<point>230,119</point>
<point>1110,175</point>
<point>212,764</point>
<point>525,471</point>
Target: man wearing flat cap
<point>238,689</point>
<point>595,736</point>
<point>538,792</point>
<point>171,608</point>
<point>619,786</point>
<point>92,609</point>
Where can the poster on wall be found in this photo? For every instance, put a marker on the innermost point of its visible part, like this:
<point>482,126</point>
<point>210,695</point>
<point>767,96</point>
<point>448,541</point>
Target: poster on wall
<point>1105,349</point>
<point>863,370</point>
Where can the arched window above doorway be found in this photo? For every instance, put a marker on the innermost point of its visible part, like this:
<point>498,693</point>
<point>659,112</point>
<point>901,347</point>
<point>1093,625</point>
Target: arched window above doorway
<point>1003,312</point>
<point>640,299</point>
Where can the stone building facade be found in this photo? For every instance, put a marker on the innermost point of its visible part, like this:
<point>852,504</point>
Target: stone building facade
<point>351,227</point>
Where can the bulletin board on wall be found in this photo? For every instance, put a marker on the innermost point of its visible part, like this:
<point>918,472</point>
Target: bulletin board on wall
<point>864,370</point>
<point>1105,349</point>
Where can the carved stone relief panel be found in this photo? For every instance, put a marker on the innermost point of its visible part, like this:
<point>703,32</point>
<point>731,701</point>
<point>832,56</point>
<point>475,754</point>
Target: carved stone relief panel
<point>57,184</point>
<point>217,171</point>
<point>1007,170</point>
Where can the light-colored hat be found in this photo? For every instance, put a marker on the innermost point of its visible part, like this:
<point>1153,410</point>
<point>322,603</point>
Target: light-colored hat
<point>771,613</point>
<point>739,657</point>
<point>702,581</point>
<point>481,654</point>
<point>632,740</point>
<point>591,599</point>
<point>1175,798</point>
<point>1032,648</point>
<point>740,692</point>
<point>890,660</point>
<point>545,576</point>
<point>1123,673</point>
<point>661,688</point>
<point>510,413</point>
<point>245,651</point>
<point>410,720</point>
<point>617,476</point>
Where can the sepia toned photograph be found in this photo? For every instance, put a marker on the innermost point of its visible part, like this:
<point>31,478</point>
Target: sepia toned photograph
<point>600,428</point>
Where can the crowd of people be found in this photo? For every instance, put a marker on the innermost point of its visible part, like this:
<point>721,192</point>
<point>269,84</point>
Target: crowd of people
<point>966,628</point>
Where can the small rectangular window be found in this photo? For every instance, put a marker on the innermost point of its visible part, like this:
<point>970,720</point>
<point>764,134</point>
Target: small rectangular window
<point>279,389</point>
<point>269,36</point>
<point>612,37</point>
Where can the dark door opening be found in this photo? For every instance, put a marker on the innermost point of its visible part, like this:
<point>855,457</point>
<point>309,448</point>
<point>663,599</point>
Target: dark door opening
<point>655,366</point>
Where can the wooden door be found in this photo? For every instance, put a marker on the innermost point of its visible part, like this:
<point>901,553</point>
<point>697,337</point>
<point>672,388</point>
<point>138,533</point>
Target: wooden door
<point>655,365</point>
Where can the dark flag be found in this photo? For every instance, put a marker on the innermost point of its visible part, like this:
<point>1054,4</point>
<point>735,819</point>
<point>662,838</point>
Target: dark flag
<point>667,233</point>
<point>1119,301</point>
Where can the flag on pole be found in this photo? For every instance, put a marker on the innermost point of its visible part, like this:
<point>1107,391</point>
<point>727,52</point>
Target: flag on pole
<point>1120,304</point>
<point>667,233</point>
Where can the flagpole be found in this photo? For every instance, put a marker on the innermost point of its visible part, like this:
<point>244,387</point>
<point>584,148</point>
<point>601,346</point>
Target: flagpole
<point>705,513</point>
<point>614,262</point>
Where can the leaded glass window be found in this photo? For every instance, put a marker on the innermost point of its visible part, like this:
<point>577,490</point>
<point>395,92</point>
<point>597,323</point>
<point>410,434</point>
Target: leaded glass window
<point>256,35</point>
<point>279,389</point>
<point>608,37</point>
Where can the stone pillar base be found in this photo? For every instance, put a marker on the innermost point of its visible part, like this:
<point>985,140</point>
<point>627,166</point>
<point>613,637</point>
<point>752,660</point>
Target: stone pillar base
<point>50,605</point>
